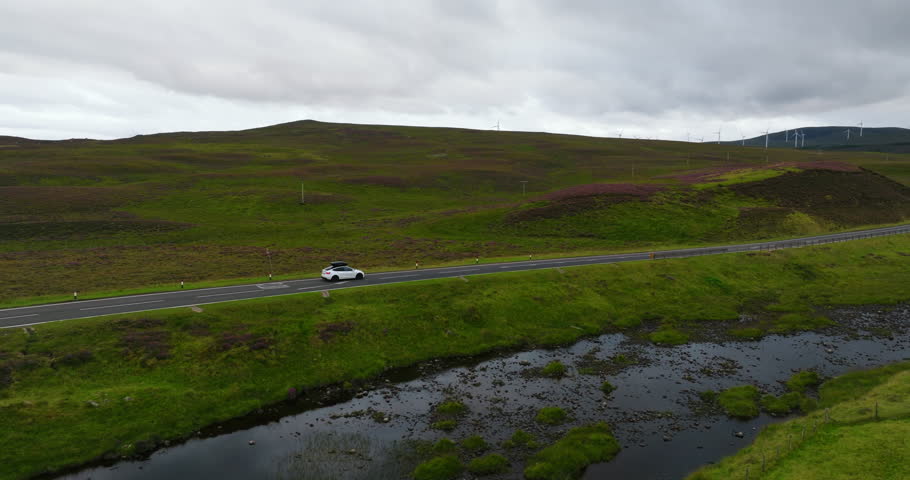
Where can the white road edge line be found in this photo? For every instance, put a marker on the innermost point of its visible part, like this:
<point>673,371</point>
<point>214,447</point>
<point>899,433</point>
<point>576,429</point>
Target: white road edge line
<point>230,293</point>
<point>399,276</point>
<point>121,305</point>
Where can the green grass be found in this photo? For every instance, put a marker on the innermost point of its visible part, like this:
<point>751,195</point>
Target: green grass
<point>446,467</point>
<point>668,336</point>
<point>143,214</point>
<point>748,333</point>
<point>474,443</point>
<point>852,443</point>
<point>740,402</point>
<point>184,370</point>
<point>781,405</point>
<point>520,439</point>
<point>551,416</point>
<point>571,454</point>
<point>607,387</point>
<point>450,408</point>
<point>554,369</point>
<point>801,381</point>
<point>489,465</point>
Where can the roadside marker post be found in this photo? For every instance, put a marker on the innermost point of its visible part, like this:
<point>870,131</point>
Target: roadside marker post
<point>181,283</point>
<point>75,295</point>
<point>416,265</point>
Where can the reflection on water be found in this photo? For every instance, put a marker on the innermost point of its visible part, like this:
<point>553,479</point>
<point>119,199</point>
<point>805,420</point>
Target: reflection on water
<point>331,455</point>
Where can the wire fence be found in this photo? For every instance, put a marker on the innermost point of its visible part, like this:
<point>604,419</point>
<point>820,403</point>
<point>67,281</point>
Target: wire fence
<point>763,457</point>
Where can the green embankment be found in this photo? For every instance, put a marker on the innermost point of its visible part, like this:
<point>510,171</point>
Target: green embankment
<point>76,390</point>
<point>843,440</point>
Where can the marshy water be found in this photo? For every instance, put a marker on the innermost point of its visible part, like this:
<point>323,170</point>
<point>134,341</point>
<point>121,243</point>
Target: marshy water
<point>654,411</point>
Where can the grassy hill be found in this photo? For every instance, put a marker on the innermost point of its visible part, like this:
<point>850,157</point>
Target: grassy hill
<point>92,215</point>
<point>884,140</point>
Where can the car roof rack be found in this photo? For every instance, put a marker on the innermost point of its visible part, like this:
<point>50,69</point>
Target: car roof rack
<point>339,264</point>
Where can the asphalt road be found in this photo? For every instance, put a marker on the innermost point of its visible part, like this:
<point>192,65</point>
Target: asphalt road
<point>23,316</point>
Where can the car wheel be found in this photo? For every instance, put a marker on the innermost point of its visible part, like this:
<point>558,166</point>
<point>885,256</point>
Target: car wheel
<point>359,276</point>
<point>334,278</point>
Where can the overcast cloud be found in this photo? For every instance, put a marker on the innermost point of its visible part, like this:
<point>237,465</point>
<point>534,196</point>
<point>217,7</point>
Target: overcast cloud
<point>662,68</point>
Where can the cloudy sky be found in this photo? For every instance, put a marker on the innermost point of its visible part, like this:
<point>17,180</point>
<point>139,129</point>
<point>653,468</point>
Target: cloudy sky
<point>655,69</point>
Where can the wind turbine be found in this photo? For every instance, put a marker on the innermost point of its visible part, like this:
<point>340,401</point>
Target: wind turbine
<point>786,136</point>
<point>496,126</point>
<point>688,136</point>
<point>860,129</point>
<point>701,140</point>
<point>802,143</point>
<point>718,135</point>
<point>848,134</point>
<point>795,139</point>
<point>620,133</point>
<point>766,138</point>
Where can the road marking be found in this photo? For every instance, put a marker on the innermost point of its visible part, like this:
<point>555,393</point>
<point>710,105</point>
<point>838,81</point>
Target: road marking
<point>272,286</point>
<point>121,305</point>
<point>400,276</point>
<point>309,288</point>
<point>508,266</point>
<point>462,270</point>
<point>231,293</point>
<point>20,316</point>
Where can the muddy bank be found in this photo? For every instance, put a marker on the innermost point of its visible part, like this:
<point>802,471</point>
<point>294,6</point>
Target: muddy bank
<point>654,411</point>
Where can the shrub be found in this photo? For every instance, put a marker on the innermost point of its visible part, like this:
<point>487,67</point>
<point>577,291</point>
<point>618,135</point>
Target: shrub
<point>520,438</point>
<point>607,387</point>
<point>74,359</point>
<point>551,415</point>
<point>440,468</point>
<point>474,443</point>
<point>801,381</point>
<point>740,402</point>
<point>554,369</point>
<point>488,465</point>
<point>570,455</point>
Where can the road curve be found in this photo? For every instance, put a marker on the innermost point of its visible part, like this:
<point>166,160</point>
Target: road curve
<point>37,314</point>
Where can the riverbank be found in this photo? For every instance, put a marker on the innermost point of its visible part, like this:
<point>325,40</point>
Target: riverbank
<point>497,407</point>
<point>117,386</point>
<point>860,431</point>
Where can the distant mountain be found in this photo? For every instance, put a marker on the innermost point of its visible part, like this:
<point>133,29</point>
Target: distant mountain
<point>890,139</point>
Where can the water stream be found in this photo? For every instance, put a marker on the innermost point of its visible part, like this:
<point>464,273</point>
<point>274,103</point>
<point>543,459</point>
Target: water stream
<point>653,411</point>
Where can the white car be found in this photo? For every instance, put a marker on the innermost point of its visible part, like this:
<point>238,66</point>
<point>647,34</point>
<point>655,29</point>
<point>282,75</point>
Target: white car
<point>341,271</point>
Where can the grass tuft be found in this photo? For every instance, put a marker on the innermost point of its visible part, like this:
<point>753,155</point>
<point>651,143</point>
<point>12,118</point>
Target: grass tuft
<point>571,454</point>
<point>551,416</point>
<point>740,402</point>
